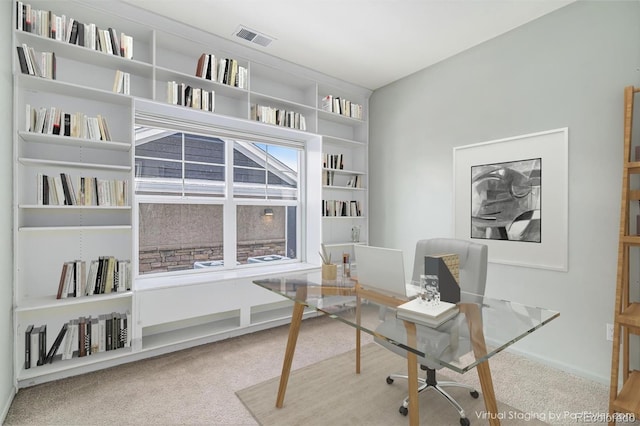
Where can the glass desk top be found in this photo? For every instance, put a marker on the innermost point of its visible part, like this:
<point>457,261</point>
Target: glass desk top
<point>482,328</point>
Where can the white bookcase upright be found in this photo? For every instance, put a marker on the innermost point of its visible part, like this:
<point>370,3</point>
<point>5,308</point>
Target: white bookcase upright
<point>46,236</point>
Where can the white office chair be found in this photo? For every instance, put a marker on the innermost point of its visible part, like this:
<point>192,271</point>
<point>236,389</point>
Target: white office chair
<point>442,342</point>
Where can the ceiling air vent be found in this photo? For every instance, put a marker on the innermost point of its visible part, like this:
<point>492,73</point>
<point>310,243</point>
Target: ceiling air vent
<point>253,36</point>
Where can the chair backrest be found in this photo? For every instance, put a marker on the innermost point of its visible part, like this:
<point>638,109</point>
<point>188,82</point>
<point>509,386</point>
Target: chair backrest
<point>472,256</point>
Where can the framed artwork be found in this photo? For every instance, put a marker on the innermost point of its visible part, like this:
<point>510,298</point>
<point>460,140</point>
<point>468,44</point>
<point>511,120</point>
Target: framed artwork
<point>512,195</point>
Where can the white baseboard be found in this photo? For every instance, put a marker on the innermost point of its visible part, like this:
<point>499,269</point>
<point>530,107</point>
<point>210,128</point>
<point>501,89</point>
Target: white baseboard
<point>567,368</point>
<point>7,405</point>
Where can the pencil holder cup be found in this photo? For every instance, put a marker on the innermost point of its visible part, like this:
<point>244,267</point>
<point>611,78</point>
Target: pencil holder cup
<point>329,271</point>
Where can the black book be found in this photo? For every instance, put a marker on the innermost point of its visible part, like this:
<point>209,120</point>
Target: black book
<point>67,191</point>
<point>80,34</point>
<point>96,288</point>
<point>24,68</point>
<point>209,66</point>
<point>27,346</point>
<point>188,93</point>
<point>42,339</point>
<point>26,19</point>
<point>67,124</point>
<point>53,65</point>
<point>56,344</point>
<point>73,39</point>
<point>82,335</point>
<point>109,332</point>
<point>115,43</point>
<point>180,93</point>
<point>45,190</point>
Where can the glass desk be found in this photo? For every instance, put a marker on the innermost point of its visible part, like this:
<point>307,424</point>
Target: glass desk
<point>482,328</point>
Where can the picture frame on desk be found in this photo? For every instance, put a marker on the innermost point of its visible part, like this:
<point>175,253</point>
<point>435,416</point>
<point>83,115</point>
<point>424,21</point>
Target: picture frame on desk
<point>547,150</point>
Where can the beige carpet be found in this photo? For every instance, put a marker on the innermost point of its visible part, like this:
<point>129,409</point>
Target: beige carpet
<point>330,393</point>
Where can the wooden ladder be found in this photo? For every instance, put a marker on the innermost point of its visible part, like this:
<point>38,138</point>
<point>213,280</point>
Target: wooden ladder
<point>626,313</point>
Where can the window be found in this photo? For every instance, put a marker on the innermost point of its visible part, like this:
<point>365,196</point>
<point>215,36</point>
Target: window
<point>186,193</point>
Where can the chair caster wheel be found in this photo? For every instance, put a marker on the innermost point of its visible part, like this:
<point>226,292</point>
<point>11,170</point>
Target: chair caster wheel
<point>474,394</point>
<point>464,421</point>
<point>390,380</point>
<point>403,410</point>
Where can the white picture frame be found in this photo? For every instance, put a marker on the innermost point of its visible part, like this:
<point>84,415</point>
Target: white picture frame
<point>551,147</point>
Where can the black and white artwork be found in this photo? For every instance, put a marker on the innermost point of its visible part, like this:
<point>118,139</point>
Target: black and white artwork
<point>506,201</point>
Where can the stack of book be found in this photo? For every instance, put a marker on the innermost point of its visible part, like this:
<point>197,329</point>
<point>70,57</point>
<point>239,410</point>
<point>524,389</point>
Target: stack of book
<point>429,314</point>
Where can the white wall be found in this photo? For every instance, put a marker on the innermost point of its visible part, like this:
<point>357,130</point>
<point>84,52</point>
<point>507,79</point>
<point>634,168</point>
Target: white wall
<point>6,184</point>
<point>566,69</point>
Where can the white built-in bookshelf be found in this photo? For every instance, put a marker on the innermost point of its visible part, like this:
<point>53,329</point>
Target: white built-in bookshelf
<point>165,55</point>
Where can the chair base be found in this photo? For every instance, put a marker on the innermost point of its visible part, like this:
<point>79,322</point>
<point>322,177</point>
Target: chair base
<point>430,382</point>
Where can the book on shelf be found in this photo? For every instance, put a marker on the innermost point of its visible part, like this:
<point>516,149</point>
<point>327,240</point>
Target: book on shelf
<point>71,340</point>
<point>122,83</point>
<point>27,346</point>
<point>425,313</point>
<point>42,344</point>
<point>55,347</point>
<point>34,346</point>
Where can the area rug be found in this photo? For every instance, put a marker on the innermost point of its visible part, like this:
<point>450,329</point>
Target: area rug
<point>330,393</point>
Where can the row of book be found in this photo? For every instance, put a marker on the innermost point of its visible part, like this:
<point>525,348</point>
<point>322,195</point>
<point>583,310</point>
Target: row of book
<point>279,117</point>
<point>55,121</point>
<point>341,106</point>
<point>333,208</point>
<point>185,95</point>
<point>328,179</point>
<point>222,70</point>
<point>333,161</point>
<point>66,190</point>
<point>77,338</point>
<point>47,24</point>
<point>40,64</point>
<point>106,275</point>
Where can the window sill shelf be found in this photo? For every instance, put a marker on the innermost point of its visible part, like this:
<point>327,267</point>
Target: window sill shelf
<point>147,283</point>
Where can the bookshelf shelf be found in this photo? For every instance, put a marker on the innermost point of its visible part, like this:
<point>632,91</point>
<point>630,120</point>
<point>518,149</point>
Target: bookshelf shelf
<point>68,164</point>
<point>50,302</point>
<point>70,89</point>
<point>164,51</point>
<point>96,228</point>
<point>36,375</point>
<point>68,140</point>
